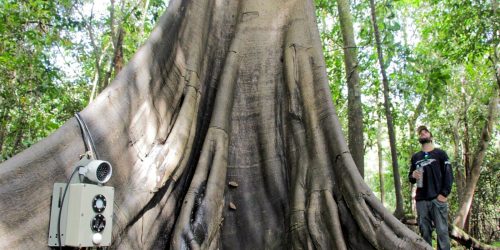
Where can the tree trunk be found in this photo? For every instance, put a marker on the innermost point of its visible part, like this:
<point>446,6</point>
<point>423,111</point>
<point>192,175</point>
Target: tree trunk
<point>380,159</point>
<point>222,91</point>
<point>117,59</point>
<point>20,133</point>
<point>144,14</point>
<point>354,106</point>
<point>472,179</point>
<point>95,48</point>
<point>118,53</point>
<point>399,213</point>
<point>466,142</point>
<point>3,128</point>
<point>459,167</point>
<point>117,35</point>
<point>496,54</point>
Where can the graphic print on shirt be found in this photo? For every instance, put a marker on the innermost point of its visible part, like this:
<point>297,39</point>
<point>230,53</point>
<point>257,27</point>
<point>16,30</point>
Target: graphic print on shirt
<point>424,162</point>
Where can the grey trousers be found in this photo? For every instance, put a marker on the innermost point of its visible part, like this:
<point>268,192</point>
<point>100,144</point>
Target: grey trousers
<point>437,212</point>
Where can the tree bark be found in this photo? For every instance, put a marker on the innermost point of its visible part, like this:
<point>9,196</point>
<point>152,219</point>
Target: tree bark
<point>231,91</point>
<point>459,167</point>
<point>380,159</point>
<point>3,128</point>
<point>472,179</point>
<point>117,35</point>
<point>354,105</point>
<point>118,53</point>
<point>496,36</point>
<point>466,240</point>
<point>466,141</point>
<point>20,133</point>
<point>117,59</point>
<point>399,213</point>
<point>143,21</point>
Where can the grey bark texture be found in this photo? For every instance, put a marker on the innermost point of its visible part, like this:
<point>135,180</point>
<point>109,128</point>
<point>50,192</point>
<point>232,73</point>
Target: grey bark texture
<point>380,158</point>
<point>354,105</point>
<point>222,134</point>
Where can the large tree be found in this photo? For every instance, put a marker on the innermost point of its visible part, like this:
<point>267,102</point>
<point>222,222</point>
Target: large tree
<point>223,91</point>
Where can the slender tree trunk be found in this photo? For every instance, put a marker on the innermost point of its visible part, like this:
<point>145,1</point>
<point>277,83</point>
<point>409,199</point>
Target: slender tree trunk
<point>112,21</point>
<point>3,128</point>
<point>380,159</point>
<point>232,91</point>
<point>95,80</point>
<point>496,53</point>
<point>118,54</point>
<point>5,119</point>
<point>117,35</point>
<point>467,160</point>
<point>474,215</point>
<point>95,83</point>
<point>19,138</point>
<point>467,150</point>
<point>117,62</point>
<point>96,51</point>
<point>459,167</point>
<point>117,59</point>
<point>399,213</point>
<point>143,21</point>
<point>2,138</point>
<point>354,109</point>
<point>472,179</point>
<point>416,114</point>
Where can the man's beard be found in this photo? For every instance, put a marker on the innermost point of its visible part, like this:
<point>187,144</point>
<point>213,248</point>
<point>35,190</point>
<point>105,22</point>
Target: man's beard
<point>424,140</point>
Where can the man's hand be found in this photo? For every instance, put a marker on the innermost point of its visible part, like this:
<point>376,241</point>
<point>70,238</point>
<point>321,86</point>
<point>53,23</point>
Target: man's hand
<point>417,174</point>
<point>442,198</point>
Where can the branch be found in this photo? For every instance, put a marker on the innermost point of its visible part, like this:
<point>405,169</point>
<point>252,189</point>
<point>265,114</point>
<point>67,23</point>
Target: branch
<point>466,240</point>
<point>97,50</point>
<point>418,109</point>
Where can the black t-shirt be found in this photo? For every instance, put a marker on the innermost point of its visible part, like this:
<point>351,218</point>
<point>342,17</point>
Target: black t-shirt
<point>438,175</point>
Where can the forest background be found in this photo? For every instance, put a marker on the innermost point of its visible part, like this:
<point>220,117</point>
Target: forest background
<point>418,62</point>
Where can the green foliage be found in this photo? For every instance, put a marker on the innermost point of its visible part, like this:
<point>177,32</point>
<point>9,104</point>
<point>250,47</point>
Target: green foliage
<point>438,54</point>
<point>47,61</point>
<point>34,99</point>
<point>461,29</point>
<point>331,36</point>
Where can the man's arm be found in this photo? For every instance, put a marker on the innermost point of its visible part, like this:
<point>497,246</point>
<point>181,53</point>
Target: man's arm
<point>412,168</point>
<point>447,176</point>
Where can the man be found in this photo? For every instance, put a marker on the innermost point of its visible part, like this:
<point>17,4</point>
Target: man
<point>432,169</point>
